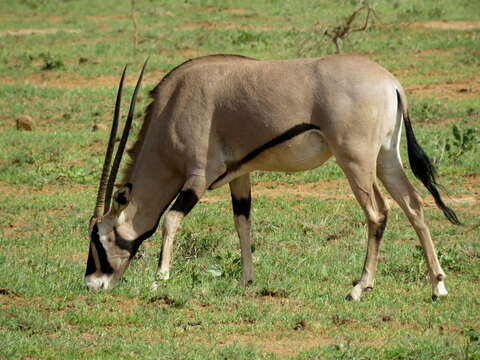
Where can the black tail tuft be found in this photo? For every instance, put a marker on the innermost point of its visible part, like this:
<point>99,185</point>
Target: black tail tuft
<point>423,168</point>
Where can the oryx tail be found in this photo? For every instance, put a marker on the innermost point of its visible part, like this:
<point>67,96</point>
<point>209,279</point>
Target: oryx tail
<point>422,166</point>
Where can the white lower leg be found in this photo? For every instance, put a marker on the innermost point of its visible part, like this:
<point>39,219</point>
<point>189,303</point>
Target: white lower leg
<point>365,283</point>
<point>171,224</point>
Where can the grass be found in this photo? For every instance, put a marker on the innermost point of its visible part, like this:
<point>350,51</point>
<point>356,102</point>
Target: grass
<point>308,230</point>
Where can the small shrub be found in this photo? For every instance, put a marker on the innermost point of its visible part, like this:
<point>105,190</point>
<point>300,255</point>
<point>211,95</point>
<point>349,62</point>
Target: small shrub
<point>51,63</point>
<point>461,142</point>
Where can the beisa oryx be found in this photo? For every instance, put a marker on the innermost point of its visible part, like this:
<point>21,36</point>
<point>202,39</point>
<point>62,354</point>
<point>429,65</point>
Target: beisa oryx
<point>215,119</point>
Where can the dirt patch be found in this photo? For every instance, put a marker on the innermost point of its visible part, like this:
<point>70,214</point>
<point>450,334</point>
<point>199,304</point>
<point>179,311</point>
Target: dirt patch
<point>25,32</point>
<point>104,18</point>
<point>7,298</point>
<point>74,81</point>
<point>447,25</point>
<point>460,89</point>
<point>240,12</point>
<point>222,25</point>
<point>186,52</point>
<point>324,189</point>
<point>283,345</point>
<point>339,189</point>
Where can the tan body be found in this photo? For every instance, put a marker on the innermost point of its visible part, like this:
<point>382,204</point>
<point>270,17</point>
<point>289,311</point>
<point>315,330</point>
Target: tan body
<point>214,120</point>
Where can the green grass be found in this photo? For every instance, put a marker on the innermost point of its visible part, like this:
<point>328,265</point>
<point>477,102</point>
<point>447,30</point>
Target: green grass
<point>308,246</point>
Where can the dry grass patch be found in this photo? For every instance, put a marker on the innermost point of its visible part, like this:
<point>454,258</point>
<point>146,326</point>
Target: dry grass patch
<point>25,32</point>
<point>59,79</point>
<point>464,88</point>
<point>446,25</point>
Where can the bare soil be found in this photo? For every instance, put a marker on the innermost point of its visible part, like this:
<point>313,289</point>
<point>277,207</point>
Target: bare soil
<point>283,345</point>
<point>447,25</point>
<point>63,80</point>
<point>459,89</point>
<point>25,32</point>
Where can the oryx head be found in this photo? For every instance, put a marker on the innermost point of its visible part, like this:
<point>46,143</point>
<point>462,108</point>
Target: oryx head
<point>110,254</point>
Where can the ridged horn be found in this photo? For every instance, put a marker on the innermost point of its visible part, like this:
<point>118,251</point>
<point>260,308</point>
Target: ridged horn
<point>102,187</point>
<point>123,142</point>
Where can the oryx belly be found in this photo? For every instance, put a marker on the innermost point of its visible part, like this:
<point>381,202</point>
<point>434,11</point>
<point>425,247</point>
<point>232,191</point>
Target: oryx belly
<point>303,152</point>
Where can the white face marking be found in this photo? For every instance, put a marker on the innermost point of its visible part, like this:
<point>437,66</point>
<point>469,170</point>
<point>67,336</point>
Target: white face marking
<point>121,219</point>
<point>95,283</point>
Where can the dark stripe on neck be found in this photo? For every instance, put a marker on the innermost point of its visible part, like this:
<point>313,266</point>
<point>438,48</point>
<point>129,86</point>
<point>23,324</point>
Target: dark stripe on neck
<point>102,255</point>
<point>132,245</point>
<point>287,135</point>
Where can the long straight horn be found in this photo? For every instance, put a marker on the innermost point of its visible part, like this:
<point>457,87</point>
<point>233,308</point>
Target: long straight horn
<point>100,203</point>
<point>123,141</point>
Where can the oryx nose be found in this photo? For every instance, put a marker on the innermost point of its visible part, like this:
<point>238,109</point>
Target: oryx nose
<point>96,283</point>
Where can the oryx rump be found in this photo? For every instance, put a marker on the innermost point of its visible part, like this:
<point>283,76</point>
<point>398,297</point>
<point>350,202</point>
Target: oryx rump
<point>215,119</point>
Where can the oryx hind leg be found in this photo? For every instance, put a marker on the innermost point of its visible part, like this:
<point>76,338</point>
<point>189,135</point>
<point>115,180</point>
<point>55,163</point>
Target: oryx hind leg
<point>361,176</point>
<point>241,200</point>
<point>391,173</point>
<point>189,196</point>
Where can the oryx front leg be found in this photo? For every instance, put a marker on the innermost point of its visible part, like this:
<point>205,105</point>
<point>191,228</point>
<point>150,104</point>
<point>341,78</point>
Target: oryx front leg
<point>186,200</point>
<point>241,202</point>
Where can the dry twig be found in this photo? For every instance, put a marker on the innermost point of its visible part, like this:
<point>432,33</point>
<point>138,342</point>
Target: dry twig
<point>342,31</point>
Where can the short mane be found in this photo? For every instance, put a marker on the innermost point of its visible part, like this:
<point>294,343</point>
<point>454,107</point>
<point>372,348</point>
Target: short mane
<point>150,110</point>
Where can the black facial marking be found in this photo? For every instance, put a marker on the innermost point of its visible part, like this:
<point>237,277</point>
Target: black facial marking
<point>121,198</point>
<point>381,228</point>
<point>132,246</point>
<point>129,186</point>
<point>287,135</point>
<point>102,255</point>
<point>241,206</point>
<point>185,201</point>
<point>91,268</point>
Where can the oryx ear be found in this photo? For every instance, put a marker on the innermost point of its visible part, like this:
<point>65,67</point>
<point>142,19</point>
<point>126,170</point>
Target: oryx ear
<point>121,198</point>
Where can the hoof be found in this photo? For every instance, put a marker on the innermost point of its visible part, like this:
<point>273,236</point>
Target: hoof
<point>163,275</point>
<point>355,294</point>
<point>439,290</point>
<point>245,283</point>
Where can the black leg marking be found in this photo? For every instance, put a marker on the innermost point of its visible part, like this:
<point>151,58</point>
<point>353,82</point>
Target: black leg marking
<point>241,206</point>
<point>185,201</point>
<point>102,255</point>
<point>381,228</point>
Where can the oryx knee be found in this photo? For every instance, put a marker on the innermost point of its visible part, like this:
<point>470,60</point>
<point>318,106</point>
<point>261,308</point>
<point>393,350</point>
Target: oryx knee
<point>172,221</point>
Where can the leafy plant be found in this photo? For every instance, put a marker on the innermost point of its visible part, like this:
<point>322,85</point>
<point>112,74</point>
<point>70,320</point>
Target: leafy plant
<point>51,63</point>
<point>228,265</point>
<point>461,142</point>
<point>472,346</point>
